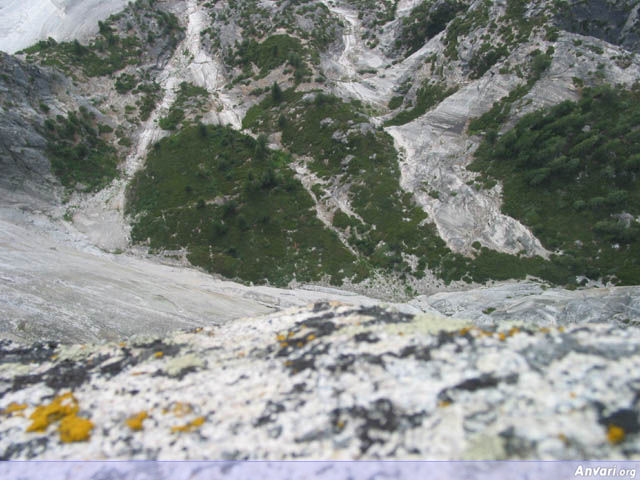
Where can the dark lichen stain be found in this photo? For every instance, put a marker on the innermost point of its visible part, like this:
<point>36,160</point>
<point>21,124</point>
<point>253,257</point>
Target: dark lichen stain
<point>625,418</point>
<point>445,337</point>
<point>516,446</point>
<point>114,368</point>
<point>178,376</point>
<point>384,317</point>
<point>66,375</point>
<point>299,388</point>
<point>269,414</point>
<point>372,359</point>
<point>416,351</point>
<point>319,326</point>
<point>158,345</point>
<point>304,359</point>
<point>29,450</point>
<point>22,381</point>
<point>366,337</point>
<point>380,418</point>
<point>474,384</point>
<point>11,352</point>
<point>321,307</point>
<point>344,363</point>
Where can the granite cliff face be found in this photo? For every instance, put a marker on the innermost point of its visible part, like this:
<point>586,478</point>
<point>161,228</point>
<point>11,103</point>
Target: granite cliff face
<point>306,153</point>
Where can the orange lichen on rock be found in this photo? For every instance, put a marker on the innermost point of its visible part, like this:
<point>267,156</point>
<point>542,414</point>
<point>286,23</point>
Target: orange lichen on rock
<point>14,408</point>
<point>181,409</point>
<point>158,354</point>
<point>63,408</point>
<point>615,434</point>
<point>75,429</point>
<point>135,422</point>
<point>189,427</point>
<point>44,415</point>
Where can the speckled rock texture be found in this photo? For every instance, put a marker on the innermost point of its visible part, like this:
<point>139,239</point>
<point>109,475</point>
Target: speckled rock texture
<point>329,382</point>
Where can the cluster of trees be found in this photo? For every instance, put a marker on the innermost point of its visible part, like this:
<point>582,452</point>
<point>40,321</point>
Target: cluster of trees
<point>572,173</point>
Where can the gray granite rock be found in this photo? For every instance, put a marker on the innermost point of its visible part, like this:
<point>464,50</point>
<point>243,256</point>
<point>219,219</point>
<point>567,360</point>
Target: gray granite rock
<point>331,382</point>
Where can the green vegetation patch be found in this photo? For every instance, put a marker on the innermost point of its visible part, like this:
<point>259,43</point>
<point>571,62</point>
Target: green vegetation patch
<point>342,143</point>
<point>426,21</point>
<point>268,55</point>
<point>572,174</point>
<point>122,41</point>
<point>236,207</point>
<point>101,57</point>
<point>79,157</point>
<point>491,121</point>
<point>429,95</point>
<point>190,98</point>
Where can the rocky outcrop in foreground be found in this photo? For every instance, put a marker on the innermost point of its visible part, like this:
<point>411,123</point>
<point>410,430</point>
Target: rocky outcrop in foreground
<point>329,381</point>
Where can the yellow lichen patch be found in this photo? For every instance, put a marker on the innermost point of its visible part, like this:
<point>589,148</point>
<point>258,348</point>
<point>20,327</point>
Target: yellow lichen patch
<point>14,408</point>
<point>444,404</point>
<point>465,330</point>
<point>158,354</point>
<point>53,357</point>
<point>340,424</point>
<point>561,329</point>
<point>63,408</point>
<point>75,429</point>
<point>564,438</point>
<point>513,331</point>
<point>122,344</point>
<point>300,344</point>
<point>281,338</point>
<point>615,435</point>
<point>311,337</point>
<point>135,422</point>
<point>502,336</point>
<point>44,415</point>
<point>181,409</point>
<point>545,330</point>
<point>284,344</point>
<point>290,334</point>
<point>189,427</point>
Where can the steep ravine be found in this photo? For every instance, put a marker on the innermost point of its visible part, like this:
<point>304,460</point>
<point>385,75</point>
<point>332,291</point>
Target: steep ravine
<point>101,216</point>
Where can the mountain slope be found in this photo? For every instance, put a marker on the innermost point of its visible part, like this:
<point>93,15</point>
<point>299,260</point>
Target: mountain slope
<point>360,123</point>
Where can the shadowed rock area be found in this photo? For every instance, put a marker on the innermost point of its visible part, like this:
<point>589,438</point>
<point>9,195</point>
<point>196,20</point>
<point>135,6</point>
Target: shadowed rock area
<point>616,22</point>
